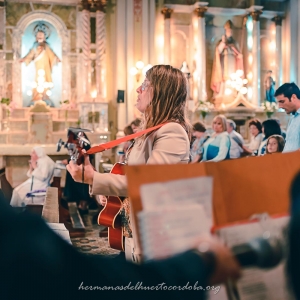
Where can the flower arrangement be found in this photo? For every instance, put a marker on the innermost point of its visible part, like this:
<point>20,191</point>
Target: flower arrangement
<point>10,105</point>
<point>204,107</point>
<point>269,108</point>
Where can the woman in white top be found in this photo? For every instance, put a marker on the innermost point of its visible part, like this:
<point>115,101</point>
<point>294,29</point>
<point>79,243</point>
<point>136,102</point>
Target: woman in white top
<point>41,168</point>
<point>217,147</point>
<point>255,128</point>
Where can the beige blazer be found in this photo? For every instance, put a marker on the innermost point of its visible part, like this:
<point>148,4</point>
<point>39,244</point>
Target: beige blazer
<point>167,145</point>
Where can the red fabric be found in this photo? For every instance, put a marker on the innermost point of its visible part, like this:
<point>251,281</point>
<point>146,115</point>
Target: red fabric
<point>114,143</point>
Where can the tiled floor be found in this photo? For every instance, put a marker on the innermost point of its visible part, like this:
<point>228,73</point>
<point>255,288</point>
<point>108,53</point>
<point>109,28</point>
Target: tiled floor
<point>92,243</point>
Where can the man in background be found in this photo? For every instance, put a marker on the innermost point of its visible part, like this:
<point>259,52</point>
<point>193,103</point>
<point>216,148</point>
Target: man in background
<point>288,98</point>
<point>236,140</point>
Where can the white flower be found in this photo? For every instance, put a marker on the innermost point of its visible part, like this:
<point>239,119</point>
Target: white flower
<point>204,106</point>
<point>269,106</point>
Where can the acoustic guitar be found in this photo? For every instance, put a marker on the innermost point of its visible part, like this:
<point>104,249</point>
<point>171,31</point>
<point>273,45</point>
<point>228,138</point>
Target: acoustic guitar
<point>109,216</point>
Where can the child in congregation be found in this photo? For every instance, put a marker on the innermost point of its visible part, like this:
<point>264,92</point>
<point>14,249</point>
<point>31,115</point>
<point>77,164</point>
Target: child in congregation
<point>275,143</point>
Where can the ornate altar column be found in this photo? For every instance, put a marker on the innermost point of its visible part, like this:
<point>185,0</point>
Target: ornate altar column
<point>256,57</point>
<point>2,54</point>
<point>201,53</point>
<point>100,52</point>
<point>16,66</point>
<point>167,34</point>
<point>120,66</point>
<point>86,49</point>
<point>152,20</point>
<point>278,71</point>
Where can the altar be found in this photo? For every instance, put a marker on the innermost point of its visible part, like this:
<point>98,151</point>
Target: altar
<point>26,127</point>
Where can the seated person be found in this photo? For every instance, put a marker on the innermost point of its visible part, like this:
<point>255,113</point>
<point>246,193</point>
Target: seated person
<point>269,127</point>
<point>76,191</point>
<point>200,134</point>
<point>135,125</point>
<point>255,128</point>
<point>41,168</point>
<point>127,131</point>
<point>275,143</point>
<point>236,140</point>
<point>217,147</point>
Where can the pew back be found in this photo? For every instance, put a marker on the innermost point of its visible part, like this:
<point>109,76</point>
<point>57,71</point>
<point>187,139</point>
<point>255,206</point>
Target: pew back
<point>5,186</point>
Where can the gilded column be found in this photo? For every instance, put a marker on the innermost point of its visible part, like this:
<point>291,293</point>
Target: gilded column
<point>167,34</point>
<point>201,53</point>
<point>278,61</point>
<point>100,51</point>
<point>256,57</point>
<point>86,48</point>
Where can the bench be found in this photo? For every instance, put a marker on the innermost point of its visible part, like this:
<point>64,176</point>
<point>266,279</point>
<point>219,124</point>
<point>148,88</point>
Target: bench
<point>52,213</point>
<point>5,185</point>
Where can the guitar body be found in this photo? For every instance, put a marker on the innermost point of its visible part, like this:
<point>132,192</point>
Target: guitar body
<point>116,239</point>
<point>109,215</point>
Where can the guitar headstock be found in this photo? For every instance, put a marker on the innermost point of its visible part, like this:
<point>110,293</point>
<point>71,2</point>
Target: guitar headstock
<point>77,140</point>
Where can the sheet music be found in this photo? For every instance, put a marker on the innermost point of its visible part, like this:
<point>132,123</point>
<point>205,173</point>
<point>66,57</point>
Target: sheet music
<point>196,190</point>
<point>257,283</point>
<point>174,214</point>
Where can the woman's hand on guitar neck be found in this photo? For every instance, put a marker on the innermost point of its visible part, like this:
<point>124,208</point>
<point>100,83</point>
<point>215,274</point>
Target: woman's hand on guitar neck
<point>83,173</point>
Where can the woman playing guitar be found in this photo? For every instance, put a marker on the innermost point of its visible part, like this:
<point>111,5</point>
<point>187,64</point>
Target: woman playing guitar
<point>162,100</point>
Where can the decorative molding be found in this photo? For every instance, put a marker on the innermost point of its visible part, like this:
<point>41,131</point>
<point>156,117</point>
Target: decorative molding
<point>200,11</point>
<point>99,6</point>
<point>254,8</point>
<point>58,2</point>
<point>277,20</point>
<point>218,11</point>
<point>256,15</point>
<point>167,12</point>
<point>85,5</point>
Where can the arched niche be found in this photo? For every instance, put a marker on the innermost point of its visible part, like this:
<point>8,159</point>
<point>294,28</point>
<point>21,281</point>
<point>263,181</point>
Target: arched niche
<point>267,60</point>
<point>179,42</point>
<point>62,33</point>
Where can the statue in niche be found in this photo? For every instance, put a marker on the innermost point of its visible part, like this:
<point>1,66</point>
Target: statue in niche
<point>44,59</point>
<point>269,85</point>
<point>227,60</point>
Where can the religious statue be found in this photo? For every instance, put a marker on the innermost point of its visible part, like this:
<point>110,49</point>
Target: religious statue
<point>269,84</point>
<point>227,60</point>
<point>44,59</point>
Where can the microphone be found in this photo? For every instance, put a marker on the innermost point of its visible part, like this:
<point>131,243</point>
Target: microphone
<point>259,252</point>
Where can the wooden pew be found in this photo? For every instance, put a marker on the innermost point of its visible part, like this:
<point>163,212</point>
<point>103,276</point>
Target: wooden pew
<point>68,213</point>
<point>5,185</point>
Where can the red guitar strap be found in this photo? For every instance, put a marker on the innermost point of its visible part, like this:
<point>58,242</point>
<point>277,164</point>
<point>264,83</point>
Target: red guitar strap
<point>124,139</point>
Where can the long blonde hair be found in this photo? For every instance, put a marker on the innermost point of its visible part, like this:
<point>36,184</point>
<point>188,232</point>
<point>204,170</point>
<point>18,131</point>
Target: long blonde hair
<point>169,90</point>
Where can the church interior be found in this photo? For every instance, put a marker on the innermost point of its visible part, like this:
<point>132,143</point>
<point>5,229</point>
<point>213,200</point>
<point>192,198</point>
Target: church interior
<point>76,70</point>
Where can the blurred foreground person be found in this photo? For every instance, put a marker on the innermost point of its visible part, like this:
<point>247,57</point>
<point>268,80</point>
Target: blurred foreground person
<point>37,264</point>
